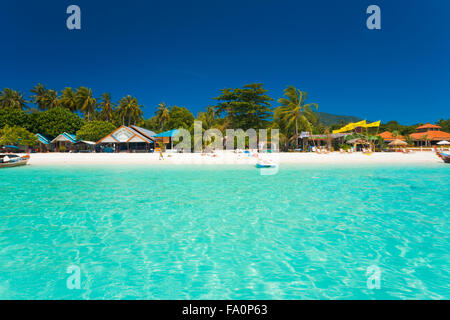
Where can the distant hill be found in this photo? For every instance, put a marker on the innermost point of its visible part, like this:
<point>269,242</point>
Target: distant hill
<point>329,119</point>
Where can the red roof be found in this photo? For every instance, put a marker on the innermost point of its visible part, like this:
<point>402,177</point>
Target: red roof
<point>388,136</point>
<point>428,125</point>
<point>431,135</point>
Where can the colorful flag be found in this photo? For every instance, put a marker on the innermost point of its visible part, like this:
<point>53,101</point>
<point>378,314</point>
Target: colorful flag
<point>373,124</point>
<point>351,126</point>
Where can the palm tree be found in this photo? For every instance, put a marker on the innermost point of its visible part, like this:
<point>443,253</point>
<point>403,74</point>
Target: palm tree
<point>107,107</point>
<point>207,118</point>
<point>395,134</point>
<point>136,111</point>
<point>85,101</point>
<point>162,113</point>
<point>68,99</point>
<point>12,99</point>
<point>130,109</point>
<point>425,138</point>
<point>40,96</point>
<point>293,109</point>
<point>52,100</point>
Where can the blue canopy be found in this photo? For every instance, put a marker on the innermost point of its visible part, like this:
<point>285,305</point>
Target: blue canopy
<point>10,147</point>
<point>170,133</point>
<point>71,137</point>
<point>42,139</point>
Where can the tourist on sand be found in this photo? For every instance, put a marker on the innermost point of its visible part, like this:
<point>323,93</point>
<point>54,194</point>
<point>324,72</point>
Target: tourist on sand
<point>161,157</point>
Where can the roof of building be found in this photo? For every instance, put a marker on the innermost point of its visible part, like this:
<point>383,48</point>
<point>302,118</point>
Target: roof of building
<point>387,135</point>
<point>170,133</point>
<point>145,132</point>
<point>42,139</point>
<point>125,134</point>
<point>65,137</point>
<point>85,142</point>
<point>428,126</point>
<point>431,135</point>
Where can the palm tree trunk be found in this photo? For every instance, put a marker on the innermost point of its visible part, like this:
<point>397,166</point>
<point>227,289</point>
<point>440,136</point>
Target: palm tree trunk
<point>296,134</point>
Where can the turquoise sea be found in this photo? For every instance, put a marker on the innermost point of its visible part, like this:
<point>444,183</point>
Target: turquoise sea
<point>225,232</point>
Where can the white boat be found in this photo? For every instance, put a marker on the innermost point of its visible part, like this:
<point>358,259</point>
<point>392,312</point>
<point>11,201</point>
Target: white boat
<point>13,160</point>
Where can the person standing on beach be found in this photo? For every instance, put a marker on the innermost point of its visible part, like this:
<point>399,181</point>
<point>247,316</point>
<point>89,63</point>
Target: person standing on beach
<point>161,157</point>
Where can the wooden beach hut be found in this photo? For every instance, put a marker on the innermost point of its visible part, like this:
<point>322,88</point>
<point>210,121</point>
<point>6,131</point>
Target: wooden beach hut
<point>64,142</point>
<point>44,145</point>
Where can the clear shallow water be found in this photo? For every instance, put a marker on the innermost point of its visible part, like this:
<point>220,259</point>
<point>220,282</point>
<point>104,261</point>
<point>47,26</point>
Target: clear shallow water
<point>173,232</point>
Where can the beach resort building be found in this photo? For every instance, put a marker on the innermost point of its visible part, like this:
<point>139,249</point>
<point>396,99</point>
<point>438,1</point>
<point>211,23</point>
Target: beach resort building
<point>329,141</point>
<point>66,142</point>
<point>429,134</point>
<point>43,145</point>
<point>387,136</point>
<point>63,142</point>
<point>128,139</point>
<point>166,138</point>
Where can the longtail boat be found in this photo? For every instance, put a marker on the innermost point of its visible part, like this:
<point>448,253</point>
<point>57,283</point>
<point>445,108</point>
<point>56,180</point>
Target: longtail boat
<point>442,155</point>
<point>13,160</point>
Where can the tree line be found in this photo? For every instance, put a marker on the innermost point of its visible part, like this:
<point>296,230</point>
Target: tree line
<point>79,111</point>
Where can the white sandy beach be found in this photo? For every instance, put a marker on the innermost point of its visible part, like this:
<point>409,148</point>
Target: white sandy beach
<point>226,157</point>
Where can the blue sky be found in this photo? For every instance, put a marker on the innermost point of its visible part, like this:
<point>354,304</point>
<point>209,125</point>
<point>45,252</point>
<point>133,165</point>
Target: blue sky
<point>184,52</point>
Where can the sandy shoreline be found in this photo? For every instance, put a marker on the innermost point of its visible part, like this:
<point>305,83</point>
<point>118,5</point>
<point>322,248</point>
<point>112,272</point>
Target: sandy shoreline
<point>230,158</point>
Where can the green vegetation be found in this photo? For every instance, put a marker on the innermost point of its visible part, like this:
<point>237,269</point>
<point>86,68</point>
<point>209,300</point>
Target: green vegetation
<point>14,117</point>
<point>328,119</point>
<point>95,130</point>
<point>245,108</point>
<point>55,121</point>
<point>12,99</point>
<point>394,126</point>
<point>17,136</point>
<point>293,112</point>
<point>129,110</point>
<point>78,110</point>
<point>445,124</point>
<point>85,102</point>
<point>107,107</point>
<point>167,117</point>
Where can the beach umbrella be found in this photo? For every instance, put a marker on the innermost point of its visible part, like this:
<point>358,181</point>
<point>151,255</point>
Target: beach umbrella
<point>443,143</point>
<point>398,143</point>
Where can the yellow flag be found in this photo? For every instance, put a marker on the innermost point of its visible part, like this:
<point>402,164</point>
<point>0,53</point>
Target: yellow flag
<point>373,124</point>
<point>351,126</point>
<point>343,129</point>
<point>358,124</point>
